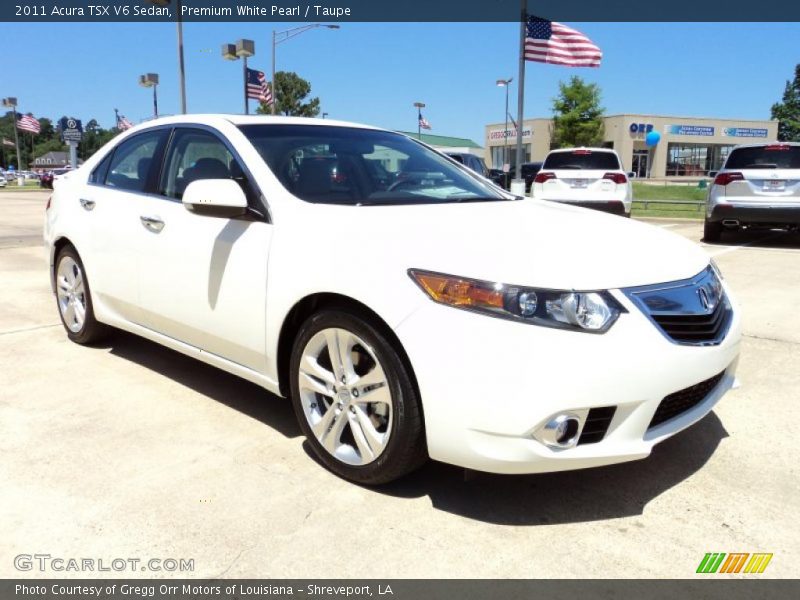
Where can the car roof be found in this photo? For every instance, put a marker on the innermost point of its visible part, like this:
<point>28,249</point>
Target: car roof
<point>588,148</point>
<point>216,119</point>
<point>762,144</point>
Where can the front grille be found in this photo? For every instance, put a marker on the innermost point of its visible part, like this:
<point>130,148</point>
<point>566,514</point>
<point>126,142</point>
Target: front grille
<point>692,311</point>
<point>596,426</point>
<point>679,402</point>
<point>695,328</point>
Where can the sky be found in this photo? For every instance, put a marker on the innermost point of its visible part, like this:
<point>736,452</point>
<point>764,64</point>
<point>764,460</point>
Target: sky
<point>373,72</point>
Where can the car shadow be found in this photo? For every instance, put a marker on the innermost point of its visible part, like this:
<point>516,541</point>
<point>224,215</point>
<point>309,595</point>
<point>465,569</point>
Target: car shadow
<point>544,499</point>
<point>230,390</point>
<point>759,238</point>
<point>615,491</point>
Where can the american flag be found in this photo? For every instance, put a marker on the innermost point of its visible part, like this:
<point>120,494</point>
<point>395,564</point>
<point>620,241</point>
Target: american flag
<point>28,123</point>
<point>423,122</point>
<point>123,124</point>
<point>257,86</point>
<point>551,42</point>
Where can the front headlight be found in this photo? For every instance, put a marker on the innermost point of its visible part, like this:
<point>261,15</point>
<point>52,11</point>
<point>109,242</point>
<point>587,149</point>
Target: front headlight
<point>591,311</point>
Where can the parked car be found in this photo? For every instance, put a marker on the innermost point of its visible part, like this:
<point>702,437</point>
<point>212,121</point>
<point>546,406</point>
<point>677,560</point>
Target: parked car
<point>529,171</point>
<point>588,177</point>
<point>3,180</point>
<point>46,180</point>
<point>428,315</point>
<point>477,164</point>
<point>758,186</point>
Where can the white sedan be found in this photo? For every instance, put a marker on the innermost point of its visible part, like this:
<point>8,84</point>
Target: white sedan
<point>408,308</point>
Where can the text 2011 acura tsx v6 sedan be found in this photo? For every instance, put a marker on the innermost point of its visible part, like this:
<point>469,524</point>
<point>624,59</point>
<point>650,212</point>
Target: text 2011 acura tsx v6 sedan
<point>408,308</point>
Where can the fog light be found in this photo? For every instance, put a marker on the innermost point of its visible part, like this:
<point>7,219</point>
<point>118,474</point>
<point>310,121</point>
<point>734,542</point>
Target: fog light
<point>561,431</point>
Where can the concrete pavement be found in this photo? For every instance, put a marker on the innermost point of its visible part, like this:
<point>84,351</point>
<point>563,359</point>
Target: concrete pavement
<point>131,450</point>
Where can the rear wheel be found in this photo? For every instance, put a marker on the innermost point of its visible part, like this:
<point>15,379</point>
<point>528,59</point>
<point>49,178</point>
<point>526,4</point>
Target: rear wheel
<point>354,399</point>
<point>712,231</point>
<point>74,299</point>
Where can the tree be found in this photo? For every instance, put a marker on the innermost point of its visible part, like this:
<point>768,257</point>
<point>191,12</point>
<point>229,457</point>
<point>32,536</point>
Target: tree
<point>788,111</point>
<point>577,114</point>
<point>290,91</point>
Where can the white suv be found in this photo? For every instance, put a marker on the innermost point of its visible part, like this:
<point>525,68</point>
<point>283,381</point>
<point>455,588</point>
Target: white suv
<point>588,177</point>
<point>407,307</point>
<point>759,186</point>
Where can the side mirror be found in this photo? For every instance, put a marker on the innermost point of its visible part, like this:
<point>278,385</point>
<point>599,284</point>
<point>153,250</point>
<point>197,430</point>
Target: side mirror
<point>631,174</point>
<point>215,198</point>
<point>712,174</point>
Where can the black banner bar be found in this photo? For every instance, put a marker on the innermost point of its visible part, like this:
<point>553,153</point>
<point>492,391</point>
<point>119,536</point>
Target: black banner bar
<point>709,587</point>
<point>33,11</point>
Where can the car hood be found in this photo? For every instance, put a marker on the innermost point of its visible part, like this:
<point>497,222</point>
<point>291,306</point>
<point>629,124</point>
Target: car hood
<point>526,242</point>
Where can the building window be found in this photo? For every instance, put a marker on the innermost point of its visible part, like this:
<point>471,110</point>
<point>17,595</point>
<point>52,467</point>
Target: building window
<point>695,160</point>
<point>497,155</point>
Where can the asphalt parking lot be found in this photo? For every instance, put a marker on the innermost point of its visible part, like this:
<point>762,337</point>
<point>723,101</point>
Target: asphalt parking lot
<point>132,450</point>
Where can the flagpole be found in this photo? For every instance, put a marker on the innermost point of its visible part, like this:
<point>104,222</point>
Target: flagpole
<point>20,166</point>
<point>515,184</point>
<point>246,103</point>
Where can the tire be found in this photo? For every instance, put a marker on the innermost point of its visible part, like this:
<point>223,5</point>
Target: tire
<point>368,442</point>
<point>73,298</point>
<point>712,231</point>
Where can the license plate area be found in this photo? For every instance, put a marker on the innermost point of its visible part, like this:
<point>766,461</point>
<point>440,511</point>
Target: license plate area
<point>774,185</point>
<point>579,183</point>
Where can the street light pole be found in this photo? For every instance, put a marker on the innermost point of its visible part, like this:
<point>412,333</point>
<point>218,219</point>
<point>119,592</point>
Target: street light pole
<point>505,83</point>
<point>147,81</point>
<point>278,37</point>
<point>181,67</point>
<point>242,49</point>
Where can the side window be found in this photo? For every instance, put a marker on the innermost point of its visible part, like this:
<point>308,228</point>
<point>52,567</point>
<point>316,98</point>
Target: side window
<point>99,173</point>
<point>194,155</point>
<point>133,161</point>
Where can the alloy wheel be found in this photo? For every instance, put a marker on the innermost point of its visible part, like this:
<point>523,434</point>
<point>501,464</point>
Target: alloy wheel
<point>345,396</point>
<point>71,293</point>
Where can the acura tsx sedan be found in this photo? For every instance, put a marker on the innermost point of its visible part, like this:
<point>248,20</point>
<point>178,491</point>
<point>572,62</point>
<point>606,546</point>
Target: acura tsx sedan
<point>408,308</point>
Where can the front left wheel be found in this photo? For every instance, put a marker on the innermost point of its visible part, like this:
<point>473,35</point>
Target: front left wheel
<point>74,299</point>
<point>355,400</point>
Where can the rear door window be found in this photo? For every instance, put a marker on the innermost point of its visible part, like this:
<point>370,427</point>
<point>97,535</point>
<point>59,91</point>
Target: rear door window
<point>582,160</point>
<point>772,156</point>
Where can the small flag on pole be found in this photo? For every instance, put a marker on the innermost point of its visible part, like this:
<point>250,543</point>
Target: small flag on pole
<point>257,86</point>
<point>123,124</point>
<point>29,124</point>
<point>8,142</point>
<point>554,43</point>
<point>423,122</point>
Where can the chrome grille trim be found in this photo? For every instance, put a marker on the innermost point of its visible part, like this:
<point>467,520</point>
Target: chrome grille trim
<point>691,312</point>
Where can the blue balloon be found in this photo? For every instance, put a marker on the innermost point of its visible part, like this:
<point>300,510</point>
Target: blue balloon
<point>652,138</point>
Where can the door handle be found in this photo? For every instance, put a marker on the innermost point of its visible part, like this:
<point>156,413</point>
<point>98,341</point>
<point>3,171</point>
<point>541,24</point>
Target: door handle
<point>87,204</point>
<point>153,224</point>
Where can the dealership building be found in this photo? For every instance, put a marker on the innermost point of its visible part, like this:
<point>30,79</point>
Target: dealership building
<point>688,147</point>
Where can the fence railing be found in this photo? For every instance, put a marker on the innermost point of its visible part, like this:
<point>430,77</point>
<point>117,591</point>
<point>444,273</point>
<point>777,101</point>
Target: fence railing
<point>687,205</point>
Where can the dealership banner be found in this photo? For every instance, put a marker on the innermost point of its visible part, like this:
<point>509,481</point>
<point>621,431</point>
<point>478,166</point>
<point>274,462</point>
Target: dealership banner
<point>706,130</point>
<point>396,589</point>
<point>390,10</point>
<point>750,132</point>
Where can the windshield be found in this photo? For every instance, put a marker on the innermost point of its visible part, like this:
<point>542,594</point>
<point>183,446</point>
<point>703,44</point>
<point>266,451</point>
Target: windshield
<point>348,165</point>
<point>774,156</point>
<point>582,160</point>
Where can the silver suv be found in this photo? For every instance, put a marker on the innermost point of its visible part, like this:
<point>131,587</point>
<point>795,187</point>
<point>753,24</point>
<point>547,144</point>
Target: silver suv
<point>758,186</point>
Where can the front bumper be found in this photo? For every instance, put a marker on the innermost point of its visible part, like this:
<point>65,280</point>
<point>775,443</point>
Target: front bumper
<point>756,213</point>
<point>488,385</point>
